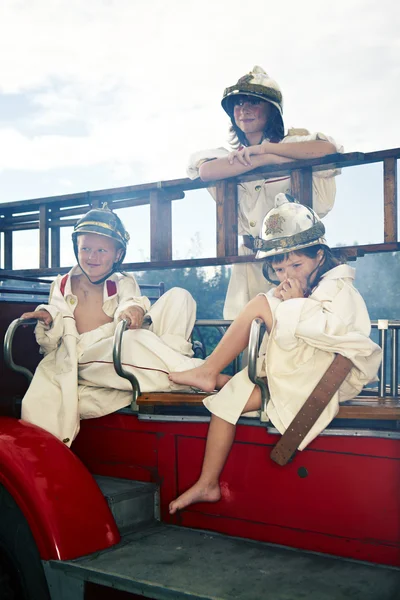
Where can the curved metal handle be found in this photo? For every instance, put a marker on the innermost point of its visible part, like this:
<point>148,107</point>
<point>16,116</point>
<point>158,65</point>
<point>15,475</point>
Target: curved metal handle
<point>254,341</point>
<point>8,340</point>
<point>119,331</point>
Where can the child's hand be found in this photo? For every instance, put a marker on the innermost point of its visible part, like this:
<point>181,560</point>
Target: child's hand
<point>134,315</point>
<point>243,156</point>
<point>288,289</point>
<point>41,315</point>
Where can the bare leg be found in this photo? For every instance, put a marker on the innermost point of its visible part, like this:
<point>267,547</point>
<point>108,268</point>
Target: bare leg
<point>231,345</point>
<point>219,442</point>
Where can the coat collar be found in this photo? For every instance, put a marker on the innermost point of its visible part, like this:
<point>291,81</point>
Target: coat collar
<point>340,272</point>
<point>110,286</point>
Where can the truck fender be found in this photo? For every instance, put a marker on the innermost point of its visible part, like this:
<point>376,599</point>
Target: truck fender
<point>64,507</point>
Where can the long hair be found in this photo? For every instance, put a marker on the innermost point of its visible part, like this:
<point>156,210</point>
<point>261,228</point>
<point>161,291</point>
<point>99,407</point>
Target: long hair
<point>327,263</point>
<point>273,131</point>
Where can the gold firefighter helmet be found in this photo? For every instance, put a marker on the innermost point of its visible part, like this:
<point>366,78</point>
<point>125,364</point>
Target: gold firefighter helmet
<point>257,83</point>
<point>289,227</point>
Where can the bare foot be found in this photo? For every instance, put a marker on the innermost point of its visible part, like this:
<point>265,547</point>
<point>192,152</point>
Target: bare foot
<point>197,493</point>
<point>200,377</point>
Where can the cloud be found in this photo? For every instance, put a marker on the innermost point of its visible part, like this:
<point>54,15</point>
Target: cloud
<point>137,85</point>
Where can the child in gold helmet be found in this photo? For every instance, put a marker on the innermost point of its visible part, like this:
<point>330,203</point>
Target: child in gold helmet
<point>313,313</point>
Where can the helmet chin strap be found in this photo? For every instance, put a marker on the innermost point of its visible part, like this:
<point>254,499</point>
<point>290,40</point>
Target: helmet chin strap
<point>99,281</point>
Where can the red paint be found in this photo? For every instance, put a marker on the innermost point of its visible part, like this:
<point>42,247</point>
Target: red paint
<point>339,497</point>
<point>111,287</point>
<point>65,509</point>
<point>346,506</point>
<point>63,283</point>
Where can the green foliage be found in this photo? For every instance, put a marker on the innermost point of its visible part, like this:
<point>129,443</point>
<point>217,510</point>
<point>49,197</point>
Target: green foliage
<point>378,280</point>
<point>208,287</point>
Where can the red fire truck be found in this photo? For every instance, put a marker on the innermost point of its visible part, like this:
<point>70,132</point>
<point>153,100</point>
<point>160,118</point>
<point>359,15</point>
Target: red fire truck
<point>93,522</point>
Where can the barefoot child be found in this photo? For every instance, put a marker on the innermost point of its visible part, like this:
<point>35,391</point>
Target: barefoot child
<point>313,313</point>
<point>76,378</point>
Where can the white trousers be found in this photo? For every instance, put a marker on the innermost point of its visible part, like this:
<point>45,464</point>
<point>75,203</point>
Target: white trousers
<point>149,354</point>
<point>246,282</point>
<point>78,379</point>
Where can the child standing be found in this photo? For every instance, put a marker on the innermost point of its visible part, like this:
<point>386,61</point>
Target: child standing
<point>257,138</point>
<point>313,313</point>
<point>76,378</point>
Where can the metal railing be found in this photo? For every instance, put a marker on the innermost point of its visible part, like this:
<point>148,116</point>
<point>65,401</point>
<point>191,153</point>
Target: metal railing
<point>386,328</point>
<point>389,370</point>
<point>49,215</point>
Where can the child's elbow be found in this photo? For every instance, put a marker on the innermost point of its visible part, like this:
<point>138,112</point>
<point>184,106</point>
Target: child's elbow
<point>205,172</point>
<point>328,148</point>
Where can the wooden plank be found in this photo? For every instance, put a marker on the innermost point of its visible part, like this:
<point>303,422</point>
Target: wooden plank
<point>390,199</point>
<point>370,409</point>
<point>359,408</point>
<point>180,185</point>
<point>55,246</point>
<point>21,218</point>
<point>171,399</point>
<point>226,218</point>
<point>174,188</point>
<point>8,250</point>
<point>43,237</point>
<point>379,155</point>
<point>330,161</point>
<point>301,185</point>
<point>160,227</point>
<point>209,262</point>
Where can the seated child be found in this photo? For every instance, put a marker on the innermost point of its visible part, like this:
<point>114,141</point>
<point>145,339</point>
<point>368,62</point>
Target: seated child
<point>76,378</point>
<point>313,313</point>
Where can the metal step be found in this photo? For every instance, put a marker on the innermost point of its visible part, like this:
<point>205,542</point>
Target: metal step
<point>165,562</point>
<point>132,503</point>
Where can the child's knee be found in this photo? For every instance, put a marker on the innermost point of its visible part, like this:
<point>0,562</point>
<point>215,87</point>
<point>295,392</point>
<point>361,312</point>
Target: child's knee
<point>180,296</point>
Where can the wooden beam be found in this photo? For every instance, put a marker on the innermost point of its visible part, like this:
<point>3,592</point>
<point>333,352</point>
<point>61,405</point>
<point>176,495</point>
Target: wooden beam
<point>390,199</point>
<point>55,247</point>
<point>171,399</point>
<point>43,237</point>
<point>359,408</point>
<point>212,262</point>
<point>179,185</point>
<point>301,185</point>
<point>227,217</point>
<point>8,250</point>
<point>160,227</point>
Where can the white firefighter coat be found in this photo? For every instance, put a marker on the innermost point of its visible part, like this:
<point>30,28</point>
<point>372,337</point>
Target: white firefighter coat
<point>255,199</point>
<point>306,335</point>
<point>76,378</point>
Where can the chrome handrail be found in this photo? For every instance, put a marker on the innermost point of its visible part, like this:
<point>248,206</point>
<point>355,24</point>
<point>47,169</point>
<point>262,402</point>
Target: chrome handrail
<point>119,331</point>
<point>386,327</point>
<point>8,340</point>
<point>254,342</point>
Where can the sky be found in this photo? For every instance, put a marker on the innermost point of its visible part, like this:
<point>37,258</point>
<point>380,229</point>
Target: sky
<point>106,93</point>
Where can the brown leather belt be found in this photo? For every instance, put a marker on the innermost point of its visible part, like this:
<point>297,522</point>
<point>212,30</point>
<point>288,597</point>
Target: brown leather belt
<point>311,409</point>
<point>248,241</point>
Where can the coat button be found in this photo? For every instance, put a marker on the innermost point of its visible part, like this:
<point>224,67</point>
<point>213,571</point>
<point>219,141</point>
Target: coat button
<point>66,440</point>
<point>252,223</point>
<point>72,300</point>
<point>257,188</point>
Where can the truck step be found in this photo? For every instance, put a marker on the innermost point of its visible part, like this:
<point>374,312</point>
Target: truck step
<point>132,503</point>
<point>165,562</point>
